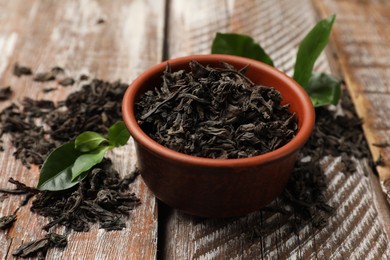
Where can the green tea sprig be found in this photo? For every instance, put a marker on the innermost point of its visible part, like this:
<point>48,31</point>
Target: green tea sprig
<point>322,88</point>
<point>68,164</point>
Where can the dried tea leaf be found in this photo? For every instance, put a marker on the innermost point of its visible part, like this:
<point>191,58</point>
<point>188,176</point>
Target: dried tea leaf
<point>49,75</point>
<point>57,70</point>
<point>7,221</point>
<point>20,188</point>
<point>40,247</point>
<point>67,82</point>
<point>84,77</point>
<point>5,93</point>
<point>44,76</point>
<point>381,144</point>
<point>37,247</point>
<point>21,70</point>
<point>48,90</point>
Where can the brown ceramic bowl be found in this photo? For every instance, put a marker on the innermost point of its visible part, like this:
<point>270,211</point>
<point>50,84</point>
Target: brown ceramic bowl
<point>218,187</point>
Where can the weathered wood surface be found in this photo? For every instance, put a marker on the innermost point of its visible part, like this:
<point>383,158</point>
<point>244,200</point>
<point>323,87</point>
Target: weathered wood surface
<point>43,34</point>
<point>361,42</point>
<point>356,231</point>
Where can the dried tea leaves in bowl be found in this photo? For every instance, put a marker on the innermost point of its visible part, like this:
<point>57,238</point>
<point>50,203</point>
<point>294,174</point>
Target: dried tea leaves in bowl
<point>215,113</point>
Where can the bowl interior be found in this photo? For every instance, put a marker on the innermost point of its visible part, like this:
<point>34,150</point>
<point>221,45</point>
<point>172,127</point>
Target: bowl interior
<point>259,73</point>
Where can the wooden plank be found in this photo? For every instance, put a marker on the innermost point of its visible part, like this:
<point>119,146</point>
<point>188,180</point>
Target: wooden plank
<point>43,34</point>
<point>361,40</point>
<point>279,26</point>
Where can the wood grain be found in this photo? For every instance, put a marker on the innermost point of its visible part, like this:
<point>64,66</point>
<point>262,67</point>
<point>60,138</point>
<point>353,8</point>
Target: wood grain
<point>43,34</point>
<point>361,40</point>
<point>279,26</point>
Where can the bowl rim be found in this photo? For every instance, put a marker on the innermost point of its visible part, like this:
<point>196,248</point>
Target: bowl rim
<point>147,142</point>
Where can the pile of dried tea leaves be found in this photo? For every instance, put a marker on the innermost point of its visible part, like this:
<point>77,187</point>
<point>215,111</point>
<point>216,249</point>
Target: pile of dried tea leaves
<point>103,197</point>
<point>337,135</point>
<point>215,113</point>
<point>36,127</point>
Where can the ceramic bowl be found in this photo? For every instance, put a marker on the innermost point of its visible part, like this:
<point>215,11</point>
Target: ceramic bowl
<point>218,187</point>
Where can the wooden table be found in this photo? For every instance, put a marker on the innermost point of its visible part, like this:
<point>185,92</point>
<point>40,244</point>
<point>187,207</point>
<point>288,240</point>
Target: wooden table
<point>137,34</point>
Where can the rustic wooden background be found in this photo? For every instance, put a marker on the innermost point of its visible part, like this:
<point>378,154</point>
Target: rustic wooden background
<point>361,41</point>
<point>138,34</point>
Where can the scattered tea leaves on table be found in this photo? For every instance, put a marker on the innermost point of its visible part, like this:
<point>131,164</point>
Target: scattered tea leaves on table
<point>49,75</point>
<point>20,188</point>
<point>83,77</point>
<point>66,82</point>
<point>40,247</point>
<point>100,195</point>
<point>103,197</point>
<point>381,144</point>
<point>21,70</point>
<point>310,49</point>
<point>7,221</point>
<point>37,127</point>
<point>239,45</point>
<point>45,76</point>
<point>100,21</point>
<point>48,90</point>
<point>380,161</point>
<point>215,113</point>
<point>5,93</point>
<point>57,70</point>
<point>337,135</point>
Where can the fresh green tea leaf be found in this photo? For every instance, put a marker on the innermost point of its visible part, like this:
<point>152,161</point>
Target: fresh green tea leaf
<point>56,172</point>
<point>86,161</point>
<point>323,89</point>
<point>118,134</point>
<point>239,45</point>
<point>310,49</point>
<point>88,141</point>
<point>68,164</point>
